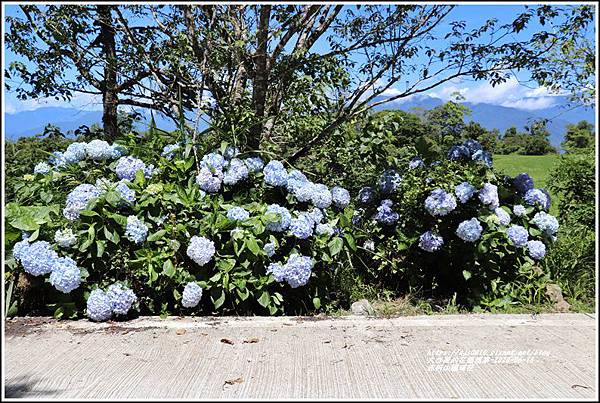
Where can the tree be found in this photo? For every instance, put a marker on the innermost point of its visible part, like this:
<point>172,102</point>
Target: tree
<point>448,121</point>
<point>579,137</point>
<point>536,140</point>
<point>78,49</point>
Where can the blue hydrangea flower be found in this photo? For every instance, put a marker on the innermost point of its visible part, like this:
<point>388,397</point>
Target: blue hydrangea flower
<point>37,258</point>
<point>237,214</point>
<point>277,271</point>
<point>459,152</point>
<point>117,151</point>
<point>389,181</point>
<point>301,227</point>
<point>324,229</point>
<point>523,182</point>
<point>121,298</point>
<point>275,173</point>
<point>321,196</point>
<point>41,168</point>
<point>65,238</point>
<point>537,196</point>
<point>128,166</point>
<point>316,215</point>
<point>136,231</point>
<point>385,214</point>
<point>518,235</point>
<point>340,197</point>
<point>283,218</point>
<point>489,196</point>
<point>366,195</point>
<point>99,306</point>
<point>78,200</point>
<point>169,150</point>
<point>201,250</point>
<point>213,161</point>
<point>57,159</point>
<point>295,180</point>
<point>304,192</point>
<point>469,230</point>
<point>545,222</point>
<point>99,150</point>
<point>473,146</point>
<point>254,164</point>
<point>357,217</point>
<point>236,171</point>
<point>440,203</point>
<point>519,210</point>
<point>269,249</point>
<point>464,191</point>
<point>75,152</point>
<point>298,270</point>
<point>416,162</point>
<point>503,216</point>
<point>230,152</point>
<point>65,276</point>
<point>536,249</point>
<point>430,241</point>
<point>20,248</point>
<point>484,156</point>
<point>192,293</point>
<point>209,180</point>
<point>126,193</point>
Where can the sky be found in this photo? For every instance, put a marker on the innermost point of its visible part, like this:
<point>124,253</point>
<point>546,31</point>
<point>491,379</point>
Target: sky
<point>512,93</point>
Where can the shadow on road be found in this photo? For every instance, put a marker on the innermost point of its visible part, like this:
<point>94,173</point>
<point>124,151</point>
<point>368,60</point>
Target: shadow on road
<point>23,386</point>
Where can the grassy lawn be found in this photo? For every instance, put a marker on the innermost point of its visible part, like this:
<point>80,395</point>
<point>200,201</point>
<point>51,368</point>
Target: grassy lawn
<point>537,166</point>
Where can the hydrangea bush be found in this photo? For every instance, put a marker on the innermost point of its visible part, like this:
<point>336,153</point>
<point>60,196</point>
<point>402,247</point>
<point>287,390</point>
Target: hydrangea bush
<point>149,230</point>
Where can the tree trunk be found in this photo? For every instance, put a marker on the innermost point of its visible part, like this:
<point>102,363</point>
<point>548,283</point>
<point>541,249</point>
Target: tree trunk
<point>110,96</point>
<point>260,79</point>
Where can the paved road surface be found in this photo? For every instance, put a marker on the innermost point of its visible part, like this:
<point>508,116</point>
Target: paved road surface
<point>444,357</point>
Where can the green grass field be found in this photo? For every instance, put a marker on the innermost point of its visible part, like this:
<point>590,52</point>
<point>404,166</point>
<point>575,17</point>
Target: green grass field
<point>537,166</point>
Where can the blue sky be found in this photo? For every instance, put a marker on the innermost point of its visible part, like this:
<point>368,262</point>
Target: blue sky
<point>512,93</point>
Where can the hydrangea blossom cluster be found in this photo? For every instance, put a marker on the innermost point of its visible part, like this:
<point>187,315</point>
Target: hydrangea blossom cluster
<point>128,166</point>
<point>169,150</point>
<point>340,197</point>
<point>537,196</point>
<point>230,152</point>
<point>503,216</point>
<point>275,173</point>
<point>430,241</point>
<point>57,159</point>
<point>536,249</point>
<point>296,271</point>
<point>518,235</point>
<point>209,180</point>
<point>201,250</point>
<point>213,161</point>
<point>78,200</point>
<point>117,300</point>
<point>192,293</point>
<point>254,164</point>
<point>283,219</point>
<point>523,183</point>
<point>489,196</point>
<point>470,150</point>
<point>126,193</point>
<point>237,214</point>
<point>416,162</point>
<point>136,231</point>
<point>65,238</point>
<point>100,150</point>
<point>121,298</point>
<point>302,226</point>
<point>389,181</point>
<point>75,152</point>
<point>321,197</point>
<point>269,249</point>
<point>385,214</point>
<point>236,172</point>
<point>324,229</point>
<point>469,230</point>
<point>464,191</point>
<point>65,276</point>
<point>41,168</point>
<point>366,195</point>
<point>440,203</point>
<point>546,223</point>
<point>519,210</point>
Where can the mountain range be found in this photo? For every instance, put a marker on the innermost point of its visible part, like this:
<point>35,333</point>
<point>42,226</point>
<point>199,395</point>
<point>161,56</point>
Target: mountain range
<point>29,123</point>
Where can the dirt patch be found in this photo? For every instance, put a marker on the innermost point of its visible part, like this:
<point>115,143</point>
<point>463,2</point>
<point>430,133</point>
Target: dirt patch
<point>26,325</point>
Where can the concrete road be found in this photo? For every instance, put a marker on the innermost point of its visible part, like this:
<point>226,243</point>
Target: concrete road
<point>421,357</point>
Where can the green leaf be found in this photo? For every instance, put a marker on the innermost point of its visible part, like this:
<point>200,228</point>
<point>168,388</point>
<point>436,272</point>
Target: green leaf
<point>335,245</point>
<point>253,246</point>
<point>111,236</point>
<point>351,242</point>
<point>264,299</point>
<point>157,235</point>
<point>466,274</point>
<point>317,302</point>
<point>168,268</point>
<point>219,301</point>
<point>100,245</point>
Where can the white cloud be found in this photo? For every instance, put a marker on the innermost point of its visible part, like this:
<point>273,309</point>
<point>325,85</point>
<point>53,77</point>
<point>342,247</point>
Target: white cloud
<point>81,101</point>
<point>510,94</point>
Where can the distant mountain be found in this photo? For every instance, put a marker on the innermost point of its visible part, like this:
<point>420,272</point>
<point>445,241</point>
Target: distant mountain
<point>502,117</point>
<point>490,116</point>
<point>30,123</point>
